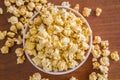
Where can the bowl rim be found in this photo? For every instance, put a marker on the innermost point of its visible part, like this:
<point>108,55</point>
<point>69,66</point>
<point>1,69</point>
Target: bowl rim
<point>67,71</point>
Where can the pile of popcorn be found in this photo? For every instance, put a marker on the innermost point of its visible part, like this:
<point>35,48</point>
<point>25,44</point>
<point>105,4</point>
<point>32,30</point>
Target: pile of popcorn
<point>56,40</point>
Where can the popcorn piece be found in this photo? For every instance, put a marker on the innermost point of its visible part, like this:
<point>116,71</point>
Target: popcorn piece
<point>96,53</point>
<point>65,40</point>
<point>103,69</point>
<point>9,42</point>
<point>7,3</point>
<point>19,52</point>
<point>11,34</point>
<point>86,12</point>
<point>18,40</point>
<point>5,50</point>
<point>35,76</point>
<point>105,44</point>
<point>98,11</point>
<point>94,59</point>
<point>93,76</point>
<point>19,26</point>
<point>73,78</point>
<point>31,6</point>
<point>96,65</point>
<point>20,2</point>
<point>3,35</point>
<point>102,76</point>
<point>77,6</point>
<point>97,39</point>
<point>1,11</point>
<point>105,52</point>
<point>13,20</point>
<point>104,61</point>
<point>66,4</point>
<point>62,65</point>
<point>43,1</point>
<point>13,29</point>
<point>12,1</point>
<point>20,59</point>
<point>114,56</point>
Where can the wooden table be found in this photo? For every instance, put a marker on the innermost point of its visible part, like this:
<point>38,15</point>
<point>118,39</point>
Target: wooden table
<point>107,26</point>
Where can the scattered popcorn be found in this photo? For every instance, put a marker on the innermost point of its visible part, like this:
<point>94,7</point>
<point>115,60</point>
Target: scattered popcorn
<point>20,59</point>
<point>37,76</point>
<point>77,6</point>
<point>9,42</point>
<point>13,29</point>
<point>96,65</point>
<point>105,44</point>
<point>73,78</point>
<point>11,34</point>
<point>13,20</point>
<point>97,39</point>
<point>93,76</point>
<point>5,50</point>
<point>19,52</point>
<point>3,35</point>
<point>66,4</point>
<point>98,11</point>
<point>103,69</point>
<point>1,11</point>
<point>104,61</point>
<point>86,12</point>
<point>115,56</point>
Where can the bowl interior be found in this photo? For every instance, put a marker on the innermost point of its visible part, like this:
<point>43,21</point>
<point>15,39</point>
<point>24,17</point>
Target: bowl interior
<point>70,70</point>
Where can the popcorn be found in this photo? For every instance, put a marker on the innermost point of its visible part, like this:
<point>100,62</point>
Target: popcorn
<point>104,61</point>
<point>97,39</point>
<point>7,3</point>
<point>13,29</point>
<point>77,6</point>
<point>4,50</point>
<point>13,20</point>
<point>103,69</point>
<point>86,12</point>
<point>37,76</point>
<point>93,76</point>
<point>98,11</point>
<point>11,34</point>
<point>1,11</point>
<point>115,56</point>
<point>19,52</point>
<point>20,59</point>
<point>66,4</point>
<point>31,6</point>
<point>9,42</point>
<point>73,78</point>
<point>20,2</point>
<point>3,35</point>
<point>96,65</point>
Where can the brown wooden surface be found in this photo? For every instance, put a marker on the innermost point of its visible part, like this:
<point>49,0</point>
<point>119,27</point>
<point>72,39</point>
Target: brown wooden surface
<point>107,26</point>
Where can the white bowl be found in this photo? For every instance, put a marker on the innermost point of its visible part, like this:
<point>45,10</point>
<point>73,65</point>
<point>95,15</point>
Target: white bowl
<point>67,71</point>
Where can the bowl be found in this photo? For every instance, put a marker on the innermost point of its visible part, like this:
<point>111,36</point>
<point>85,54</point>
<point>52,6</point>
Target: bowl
<point>67,71</point>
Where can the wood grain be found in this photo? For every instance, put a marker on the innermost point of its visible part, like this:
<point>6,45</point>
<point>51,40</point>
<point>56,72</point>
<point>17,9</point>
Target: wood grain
<point>107,26</point>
